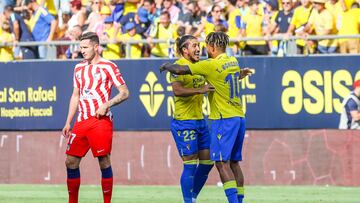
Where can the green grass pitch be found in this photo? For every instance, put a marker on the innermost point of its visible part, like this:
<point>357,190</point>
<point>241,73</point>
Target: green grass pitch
<point>172,194</point>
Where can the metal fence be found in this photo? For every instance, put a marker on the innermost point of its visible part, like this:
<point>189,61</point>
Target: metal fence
<point>291,43</point>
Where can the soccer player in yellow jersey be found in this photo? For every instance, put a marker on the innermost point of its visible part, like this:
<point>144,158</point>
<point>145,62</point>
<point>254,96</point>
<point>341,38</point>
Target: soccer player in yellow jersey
<point>228,118</point>
<point>188,127</point>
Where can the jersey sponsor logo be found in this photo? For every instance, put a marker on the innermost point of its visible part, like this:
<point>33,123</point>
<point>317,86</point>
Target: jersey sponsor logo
<point>87,94</point>
<point>151,94</point>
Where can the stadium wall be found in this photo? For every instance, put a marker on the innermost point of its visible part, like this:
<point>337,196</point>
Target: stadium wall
<point>283,93</point>
<point>271,157</point>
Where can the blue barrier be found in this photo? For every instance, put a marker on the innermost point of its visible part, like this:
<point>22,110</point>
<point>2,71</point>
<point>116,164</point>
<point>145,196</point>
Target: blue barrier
<point>284,93</point>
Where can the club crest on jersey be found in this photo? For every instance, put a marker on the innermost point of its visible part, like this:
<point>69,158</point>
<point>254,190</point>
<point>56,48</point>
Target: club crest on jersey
<point>97,76</point>
<point>78,76</point>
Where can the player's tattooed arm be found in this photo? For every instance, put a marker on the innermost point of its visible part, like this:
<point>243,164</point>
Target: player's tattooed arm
<point>245,72</point>
<point>175,69</point>
<point>74,101</point>
<point>181,91</point>
<point>119,98</point>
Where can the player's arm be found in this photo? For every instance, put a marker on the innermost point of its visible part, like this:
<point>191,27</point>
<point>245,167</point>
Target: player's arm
<point>353,108</point>
<point>355,115</point>
<point>74,102</point>
<point>245,72</point>
<point>119,98</point>
<point>175,69</point>
<point>181,91</point>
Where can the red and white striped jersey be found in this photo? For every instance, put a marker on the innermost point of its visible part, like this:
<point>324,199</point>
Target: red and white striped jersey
<point>95,82</point>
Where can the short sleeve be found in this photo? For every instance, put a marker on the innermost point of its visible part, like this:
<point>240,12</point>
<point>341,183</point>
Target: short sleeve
<point>294,18</point>
<point>329,23</point>
<point>76,78</point>
<point>200,68</point>
<point>176,78</point>
<point>116,76</point>
<point>312,18</point>
<point>351,105</point>
<point>47,16</point>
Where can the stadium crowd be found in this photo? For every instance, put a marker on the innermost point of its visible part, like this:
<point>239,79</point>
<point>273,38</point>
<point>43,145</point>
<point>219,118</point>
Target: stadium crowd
<point>117,21</point>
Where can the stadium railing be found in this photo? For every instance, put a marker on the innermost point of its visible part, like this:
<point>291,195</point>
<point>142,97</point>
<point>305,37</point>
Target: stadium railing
<point>291,51</point>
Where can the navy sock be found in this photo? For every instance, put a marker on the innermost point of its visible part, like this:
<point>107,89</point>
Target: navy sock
<point>187,179</point>
<point>201,175</point>
<point>107,172</point>
<point>73,173</point>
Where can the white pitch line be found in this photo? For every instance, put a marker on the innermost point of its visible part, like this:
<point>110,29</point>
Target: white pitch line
<point>18,137</point>
<point>142,156</point>
<point>168,156</point>
<point>61,141</point>
<point>129,170</point>
<point>3,137</point>
<point>48,177</point>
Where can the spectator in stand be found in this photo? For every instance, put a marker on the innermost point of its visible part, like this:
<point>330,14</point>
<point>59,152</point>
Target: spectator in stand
<point>214,19</point>
<point>183,6</point>
<point>94,16</point>
<point>234,31</point>
<point>6,52</point>
<point>335,8</point>
<point>153,11</point>
<point>49,5</point>
<point>112,50</point>
<point>135,49</point>
<point>117,8</point>
<point>162,29</point>
<point>252,27</point>
<point>349,24</point>
<point>130,6</point>
<point>279,26</point>
<point>63,26</point>
<point>193,18</point>
<point>140,19</point>
<point>100,25</point>
<point>323,23</point>
<point>42,25</point>
<point>73,51</point>
<point>243,6</point>
<point>21,34</point>
<point>169,6</point>
<point>78,16</point>
<point>298,23</point>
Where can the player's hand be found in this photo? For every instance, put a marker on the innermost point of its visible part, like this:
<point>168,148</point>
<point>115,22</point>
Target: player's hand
<point>103,109</point>
<point>163,67</point>
<point>208,88</point>
<point>66,130</point>
<point>245,72</point>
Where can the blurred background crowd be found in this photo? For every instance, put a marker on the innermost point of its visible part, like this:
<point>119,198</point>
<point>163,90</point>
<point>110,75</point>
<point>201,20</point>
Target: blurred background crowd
<point>118,21</point>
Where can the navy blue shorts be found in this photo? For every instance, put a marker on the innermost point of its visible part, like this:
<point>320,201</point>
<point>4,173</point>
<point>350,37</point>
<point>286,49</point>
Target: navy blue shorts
<point>227,138</point>
<point>190,136</point>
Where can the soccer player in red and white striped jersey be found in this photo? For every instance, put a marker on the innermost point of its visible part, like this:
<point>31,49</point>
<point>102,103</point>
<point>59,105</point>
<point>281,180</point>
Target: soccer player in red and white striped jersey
<point>93,129</point>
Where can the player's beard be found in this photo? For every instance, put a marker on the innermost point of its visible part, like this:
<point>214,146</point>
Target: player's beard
<point>194,58</point>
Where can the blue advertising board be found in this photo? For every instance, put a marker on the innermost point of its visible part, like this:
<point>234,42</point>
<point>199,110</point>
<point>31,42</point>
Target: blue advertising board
<point>283,93</point>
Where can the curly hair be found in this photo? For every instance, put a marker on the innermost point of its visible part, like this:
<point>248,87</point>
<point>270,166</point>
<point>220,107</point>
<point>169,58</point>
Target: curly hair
<point>218,40</point>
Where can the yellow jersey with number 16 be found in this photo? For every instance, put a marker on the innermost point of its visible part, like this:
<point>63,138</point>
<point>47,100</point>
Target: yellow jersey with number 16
<point>223,73</point>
